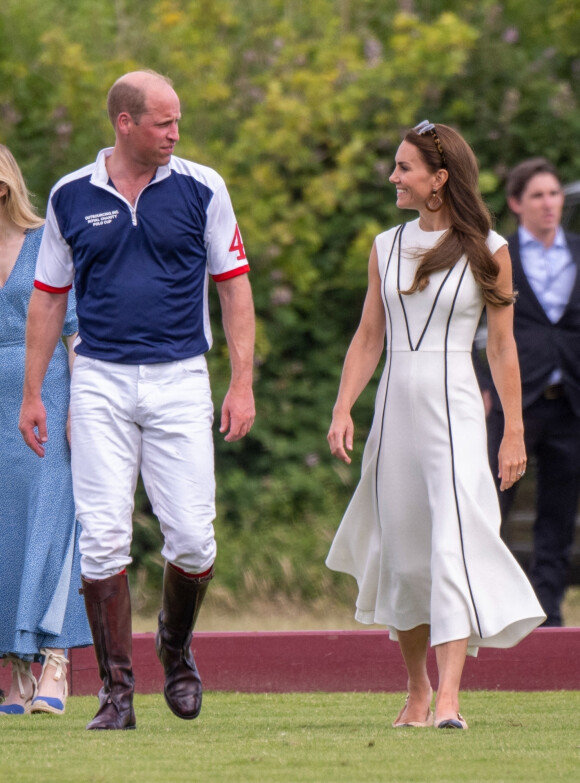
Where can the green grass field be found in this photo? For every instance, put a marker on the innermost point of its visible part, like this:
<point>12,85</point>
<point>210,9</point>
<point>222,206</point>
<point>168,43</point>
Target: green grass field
<point>320,737</point>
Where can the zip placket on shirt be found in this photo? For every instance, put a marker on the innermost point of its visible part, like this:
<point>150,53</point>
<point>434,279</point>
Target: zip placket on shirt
<point>100,179</point>
<point>121,197</point>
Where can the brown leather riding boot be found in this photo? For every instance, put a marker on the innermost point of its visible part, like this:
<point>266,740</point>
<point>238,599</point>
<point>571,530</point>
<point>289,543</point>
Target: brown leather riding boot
<point>182,599</point>
<point>108,607</point>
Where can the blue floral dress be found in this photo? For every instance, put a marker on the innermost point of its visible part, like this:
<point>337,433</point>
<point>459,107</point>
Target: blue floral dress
<point>39,555</point>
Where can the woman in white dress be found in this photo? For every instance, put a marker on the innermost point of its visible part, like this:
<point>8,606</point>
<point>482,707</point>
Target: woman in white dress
<point>421,533</point>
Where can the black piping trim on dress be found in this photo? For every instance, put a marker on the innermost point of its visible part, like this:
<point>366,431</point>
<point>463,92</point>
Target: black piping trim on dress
<point>389,360</point>
<point>453,454</point>
<point>416,348</point>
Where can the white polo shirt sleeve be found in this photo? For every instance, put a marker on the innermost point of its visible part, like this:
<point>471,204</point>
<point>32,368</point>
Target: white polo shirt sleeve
<point>226,256</point>
<point>54,266</point>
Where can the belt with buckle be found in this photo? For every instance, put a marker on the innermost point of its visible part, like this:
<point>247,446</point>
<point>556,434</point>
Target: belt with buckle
<point>554,391</point>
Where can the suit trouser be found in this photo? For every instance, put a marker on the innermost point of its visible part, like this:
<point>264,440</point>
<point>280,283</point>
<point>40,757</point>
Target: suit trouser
<point>552,437</point>
<point>153,418</point>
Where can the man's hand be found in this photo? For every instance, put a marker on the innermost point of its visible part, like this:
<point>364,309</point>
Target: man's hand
<point>46,312</point>
<point>238,413</point>
<point>32,424</point>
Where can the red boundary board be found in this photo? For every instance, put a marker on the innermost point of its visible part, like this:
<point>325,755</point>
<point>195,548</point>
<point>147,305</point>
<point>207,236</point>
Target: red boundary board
<point>283,662</point>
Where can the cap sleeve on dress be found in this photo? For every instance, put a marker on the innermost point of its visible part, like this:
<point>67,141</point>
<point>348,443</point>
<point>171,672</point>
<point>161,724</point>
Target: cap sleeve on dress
<point>495,241</point>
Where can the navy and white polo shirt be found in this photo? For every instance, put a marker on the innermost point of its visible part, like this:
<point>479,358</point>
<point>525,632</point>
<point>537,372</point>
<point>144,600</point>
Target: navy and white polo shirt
<point>140,272</point>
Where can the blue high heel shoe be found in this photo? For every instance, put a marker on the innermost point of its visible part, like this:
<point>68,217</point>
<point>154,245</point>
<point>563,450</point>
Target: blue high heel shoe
<point>51,704</point>
<point>21,669</point>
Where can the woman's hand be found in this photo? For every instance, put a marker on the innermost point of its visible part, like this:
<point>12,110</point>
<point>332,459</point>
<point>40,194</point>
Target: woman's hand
<point>341,435</point>
<point>512,460</point>
<point>362,358</point>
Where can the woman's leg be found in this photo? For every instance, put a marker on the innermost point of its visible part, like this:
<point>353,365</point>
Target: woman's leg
<point>53,679</point>
<point>414,645</point>
<point>22,688</point>
<point>450,662</point>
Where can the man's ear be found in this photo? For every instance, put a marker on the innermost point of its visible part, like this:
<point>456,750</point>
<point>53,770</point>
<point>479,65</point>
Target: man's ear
<point>124,122</point>
<point>514,204</point>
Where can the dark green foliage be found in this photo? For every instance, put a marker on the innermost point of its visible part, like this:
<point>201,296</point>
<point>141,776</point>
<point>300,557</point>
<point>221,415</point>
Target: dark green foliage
<point>301,106</point>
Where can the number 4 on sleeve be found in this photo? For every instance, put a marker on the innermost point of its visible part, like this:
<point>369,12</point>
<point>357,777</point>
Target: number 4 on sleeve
<point>237,245</point>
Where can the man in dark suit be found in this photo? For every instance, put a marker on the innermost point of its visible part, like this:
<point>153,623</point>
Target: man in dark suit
<point>546,263</point>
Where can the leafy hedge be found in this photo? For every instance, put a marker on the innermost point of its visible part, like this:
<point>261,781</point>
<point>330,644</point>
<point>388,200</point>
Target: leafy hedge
<point>300,105</point>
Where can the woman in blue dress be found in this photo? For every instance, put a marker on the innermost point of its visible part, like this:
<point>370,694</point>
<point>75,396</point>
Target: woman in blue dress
<point>42,613</point>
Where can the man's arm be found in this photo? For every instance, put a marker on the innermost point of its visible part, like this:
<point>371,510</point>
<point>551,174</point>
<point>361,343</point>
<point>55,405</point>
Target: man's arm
<point>238,410</point>
<point>46,313</point>
<point>70,347</point>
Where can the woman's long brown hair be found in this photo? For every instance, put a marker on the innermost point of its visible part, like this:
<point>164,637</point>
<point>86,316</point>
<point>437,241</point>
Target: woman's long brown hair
<point>470,218</point>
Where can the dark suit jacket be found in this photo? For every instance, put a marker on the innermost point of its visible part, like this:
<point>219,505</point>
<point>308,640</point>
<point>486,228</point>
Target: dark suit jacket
<point>542,345</point>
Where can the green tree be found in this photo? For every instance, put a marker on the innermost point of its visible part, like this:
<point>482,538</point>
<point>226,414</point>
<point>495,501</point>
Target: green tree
<point>301,106</point>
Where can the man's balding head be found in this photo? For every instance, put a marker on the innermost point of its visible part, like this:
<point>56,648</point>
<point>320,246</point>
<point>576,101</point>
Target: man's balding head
<point>129,94</point>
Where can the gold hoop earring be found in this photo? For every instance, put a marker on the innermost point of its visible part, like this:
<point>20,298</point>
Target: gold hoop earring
<point>434,197</point>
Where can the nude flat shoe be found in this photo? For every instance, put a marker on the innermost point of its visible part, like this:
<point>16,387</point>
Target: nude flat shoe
<point>451,723</point>
<point>398,723</point>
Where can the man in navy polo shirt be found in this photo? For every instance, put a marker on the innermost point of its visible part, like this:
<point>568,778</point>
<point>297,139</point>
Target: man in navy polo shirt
<point>139,232</point>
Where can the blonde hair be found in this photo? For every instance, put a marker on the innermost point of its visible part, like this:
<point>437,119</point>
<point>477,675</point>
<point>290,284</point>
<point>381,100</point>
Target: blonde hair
<point>17,199</point>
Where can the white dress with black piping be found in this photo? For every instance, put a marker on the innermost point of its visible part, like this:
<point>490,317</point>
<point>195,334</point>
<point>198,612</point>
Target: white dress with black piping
<point>421,533</point>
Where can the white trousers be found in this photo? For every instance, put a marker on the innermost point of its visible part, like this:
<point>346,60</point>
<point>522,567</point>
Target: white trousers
<point>153,418</point>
